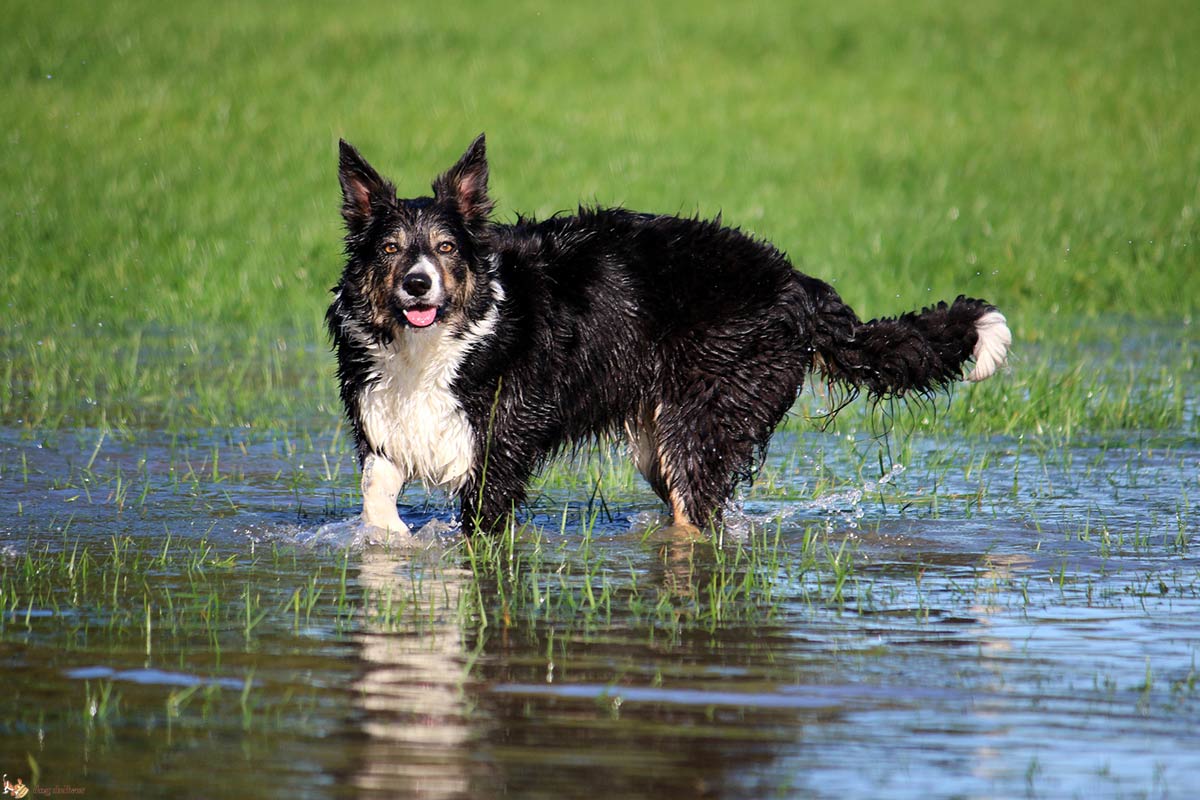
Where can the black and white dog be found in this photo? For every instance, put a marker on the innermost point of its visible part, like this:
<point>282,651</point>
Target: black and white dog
<point>470,352</point>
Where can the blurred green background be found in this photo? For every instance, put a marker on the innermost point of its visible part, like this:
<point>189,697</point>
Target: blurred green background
<point>169,171</point>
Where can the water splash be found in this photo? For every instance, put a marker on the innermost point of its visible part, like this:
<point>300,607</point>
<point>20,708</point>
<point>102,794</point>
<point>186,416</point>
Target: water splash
<point>839,508</point>
<point>355,535</point>
<point>847,505</point>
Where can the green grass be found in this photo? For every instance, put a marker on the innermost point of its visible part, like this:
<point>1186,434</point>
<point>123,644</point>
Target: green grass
<point>170,214</point>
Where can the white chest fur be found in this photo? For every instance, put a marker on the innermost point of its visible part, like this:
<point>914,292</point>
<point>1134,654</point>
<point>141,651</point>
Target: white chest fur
<point>410,413</point>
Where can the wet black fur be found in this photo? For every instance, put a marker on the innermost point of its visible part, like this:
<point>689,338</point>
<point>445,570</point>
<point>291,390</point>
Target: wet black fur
<point>612,316</point>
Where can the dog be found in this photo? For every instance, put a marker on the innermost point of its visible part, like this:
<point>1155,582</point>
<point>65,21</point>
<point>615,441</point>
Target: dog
<point>469,352</point>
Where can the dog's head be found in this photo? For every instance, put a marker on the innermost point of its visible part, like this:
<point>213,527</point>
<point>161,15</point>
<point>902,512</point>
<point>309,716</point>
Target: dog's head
<point>413,264</point>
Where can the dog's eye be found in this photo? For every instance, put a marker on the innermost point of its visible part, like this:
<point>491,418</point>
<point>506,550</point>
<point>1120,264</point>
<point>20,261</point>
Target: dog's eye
<point>391,248</point>
<point>445,247</point>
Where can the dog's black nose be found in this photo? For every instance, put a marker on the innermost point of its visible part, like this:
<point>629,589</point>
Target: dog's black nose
<point>416,284</point>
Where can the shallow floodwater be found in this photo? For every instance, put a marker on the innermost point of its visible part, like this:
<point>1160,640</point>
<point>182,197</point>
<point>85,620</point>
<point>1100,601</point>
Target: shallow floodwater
<point>200,615</point>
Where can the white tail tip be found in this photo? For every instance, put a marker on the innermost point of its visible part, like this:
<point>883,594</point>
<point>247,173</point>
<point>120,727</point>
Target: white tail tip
<point>991,350</point>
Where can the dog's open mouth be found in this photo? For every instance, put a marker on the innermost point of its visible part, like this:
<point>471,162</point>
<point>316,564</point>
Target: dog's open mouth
<point>421,316</point>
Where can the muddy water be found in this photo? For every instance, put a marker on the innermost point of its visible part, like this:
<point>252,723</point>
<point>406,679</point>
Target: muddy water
<point>995,619</point>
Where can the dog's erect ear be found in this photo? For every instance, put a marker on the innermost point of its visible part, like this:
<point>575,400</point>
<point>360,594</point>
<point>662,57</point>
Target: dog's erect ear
<point>361,186</point>
<point>465,184</point>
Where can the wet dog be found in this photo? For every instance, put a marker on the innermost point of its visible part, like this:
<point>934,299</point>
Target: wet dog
<point>470,351</point>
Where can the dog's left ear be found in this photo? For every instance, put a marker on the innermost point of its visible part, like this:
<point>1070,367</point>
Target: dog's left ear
<point>465,184</point>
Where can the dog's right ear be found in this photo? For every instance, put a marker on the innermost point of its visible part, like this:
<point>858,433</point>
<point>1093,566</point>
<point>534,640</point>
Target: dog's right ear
<point>361,187</point>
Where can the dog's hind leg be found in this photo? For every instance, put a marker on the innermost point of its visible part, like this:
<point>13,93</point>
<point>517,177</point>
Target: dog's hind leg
<point>665,452</point>
<point>699,462</point>
<point>641,433</point>
<point>719,405</point>
<point>381,485</point>
<point>686,473</point>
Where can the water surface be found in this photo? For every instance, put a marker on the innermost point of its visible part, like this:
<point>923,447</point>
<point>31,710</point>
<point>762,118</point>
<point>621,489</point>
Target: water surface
<point>992,618</point>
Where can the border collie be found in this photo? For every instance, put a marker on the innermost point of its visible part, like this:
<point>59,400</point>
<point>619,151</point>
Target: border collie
<point>470,352</point>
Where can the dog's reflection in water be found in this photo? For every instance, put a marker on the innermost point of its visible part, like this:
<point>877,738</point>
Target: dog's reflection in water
<point>411,690</point>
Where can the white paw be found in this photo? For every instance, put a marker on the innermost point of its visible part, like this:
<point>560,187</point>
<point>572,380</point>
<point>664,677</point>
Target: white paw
<point>381,484</point>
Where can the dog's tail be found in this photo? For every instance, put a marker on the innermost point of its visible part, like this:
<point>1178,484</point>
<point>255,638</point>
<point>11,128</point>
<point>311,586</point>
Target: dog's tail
<point>918,352</point>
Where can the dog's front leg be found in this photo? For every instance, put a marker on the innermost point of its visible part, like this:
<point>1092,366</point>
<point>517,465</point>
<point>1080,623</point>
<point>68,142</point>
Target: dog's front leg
<point>489,501</point>
<point>381,485</point>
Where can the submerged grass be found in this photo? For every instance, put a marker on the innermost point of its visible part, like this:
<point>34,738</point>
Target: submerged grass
<point>188,637</point>
<point>192,598</point>
<point>571,582</point>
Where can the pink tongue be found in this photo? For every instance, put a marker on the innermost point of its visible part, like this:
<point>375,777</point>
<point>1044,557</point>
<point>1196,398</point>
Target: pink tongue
<point>420,317</point>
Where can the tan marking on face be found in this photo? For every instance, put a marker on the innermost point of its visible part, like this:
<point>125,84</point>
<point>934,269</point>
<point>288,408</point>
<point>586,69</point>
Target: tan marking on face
<point>458,280</point>
<point>380,287</point>
<point>396,243</point>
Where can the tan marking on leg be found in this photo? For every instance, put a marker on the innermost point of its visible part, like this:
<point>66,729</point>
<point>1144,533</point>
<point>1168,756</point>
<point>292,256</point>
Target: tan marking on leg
<point>679,513</point>
<point>641,433</point>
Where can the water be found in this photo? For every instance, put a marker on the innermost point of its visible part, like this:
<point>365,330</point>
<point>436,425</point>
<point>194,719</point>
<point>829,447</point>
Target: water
<point>988,619</point>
